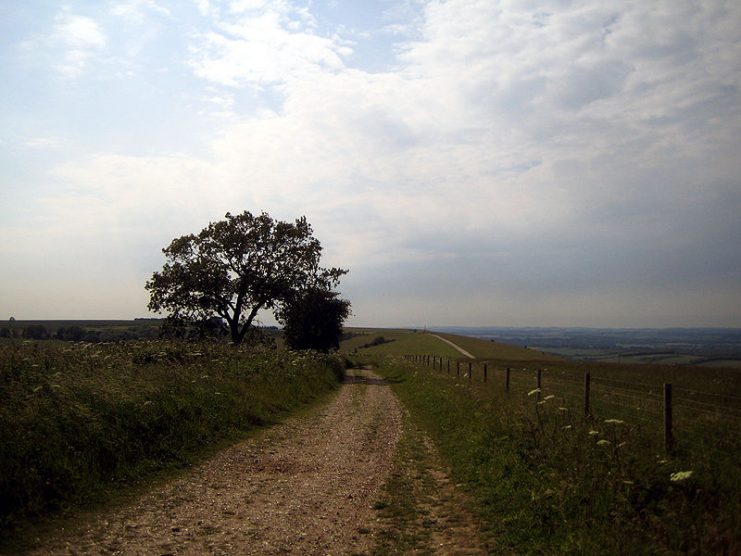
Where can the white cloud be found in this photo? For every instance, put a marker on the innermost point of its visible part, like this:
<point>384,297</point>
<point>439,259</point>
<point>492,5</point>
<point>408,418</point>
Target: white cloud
<point>42,143</point>
<point>264,44</point>
<point>136,10</point>
<point>560,149</point>
<point>78,38</point>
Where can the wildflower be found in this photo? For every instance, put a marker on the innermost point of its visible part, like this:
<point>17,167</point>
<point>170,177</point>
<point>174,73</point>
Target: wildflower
<point>592,432</point>
<point>603,442</point>
<point>628,482</point>
<point>563,408</point>
<point>614,422</point>
<point>533,392</point>
<point>567,427</point>
<point>680,476</point>
<point>548,398</point>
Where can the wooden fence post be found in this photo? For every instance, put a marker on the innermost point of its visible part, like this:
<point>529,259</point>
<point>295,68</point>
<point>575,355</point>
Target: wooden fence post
<point>668,432</point>
<point>448,366</point>
<point>457,369</point>
<point>470,371</point>
<point>506,380</point>
<point>486,372</point>
<point>587,383</point>
<point>538,382</point>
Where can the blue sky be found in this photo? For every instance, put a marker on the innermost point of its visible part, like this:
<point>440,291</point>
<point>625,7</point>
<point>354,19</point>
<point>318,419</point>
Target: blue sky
<point>470,162</point>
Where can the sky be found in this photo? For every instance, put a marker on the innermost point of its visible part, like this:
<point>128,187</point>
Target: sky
<point>470,162</point>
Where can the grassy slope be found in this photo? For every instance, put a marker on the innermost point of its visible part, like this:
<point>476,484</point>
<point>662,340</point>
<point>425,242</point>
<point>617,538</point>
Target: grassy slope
<point>496,351</point>
<point>405,343</point>
<point>541,480</point>
<point>77,420</point>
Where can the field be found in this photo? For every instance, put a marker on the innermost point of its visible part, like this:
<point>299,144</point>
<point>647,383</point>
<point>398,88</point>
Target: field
<point>547,479</point>
<point>80,420</point>
<point>668,346</point>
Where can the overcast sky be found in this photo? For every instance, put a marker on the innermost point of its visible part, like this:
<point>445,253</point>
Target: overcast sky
<point>471,162</point>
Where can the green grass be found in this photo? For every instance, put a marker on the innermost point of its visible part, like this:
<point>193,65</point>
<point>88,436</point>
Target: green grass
<point>404,494</point>
<point>546,480</point>
<point>78,420</point>
<point>405,342</point>
<point>503,353</point>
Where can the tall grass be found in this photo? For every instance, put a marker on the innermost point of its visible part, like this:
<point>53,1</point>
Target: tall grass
<point>547,480</point>
<point>78,419</point>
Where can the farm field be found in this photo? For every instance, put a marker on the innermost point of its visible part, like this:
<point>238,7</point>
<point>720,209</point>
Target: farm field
<point>682,346</point>
<point>547,479</point>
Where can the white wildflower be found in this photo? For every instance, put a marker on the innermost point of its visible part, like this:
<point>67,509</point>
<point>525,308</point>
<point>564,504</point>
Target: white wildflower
<point>680,476</point>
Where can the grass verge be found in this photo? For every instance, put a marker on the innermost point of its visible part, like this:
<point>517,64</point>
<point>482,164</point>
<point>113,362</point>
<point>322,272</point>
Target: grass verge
<point>80,421</point>
<point>547,481</point>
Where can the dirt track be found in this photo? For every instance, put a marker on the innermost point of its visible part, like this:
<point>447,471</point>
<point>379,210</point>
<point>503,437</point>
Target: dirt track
<point>304,487</point>
<point>307,486</point>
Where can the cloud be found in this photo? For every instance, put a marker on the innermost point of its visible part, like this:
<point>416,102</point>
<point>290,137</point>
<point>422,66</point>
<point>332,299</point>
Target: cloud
<point>136,11</point>
<point>79,38</point>
<point>514,158</point>
<point>42,143</point>
<point>263,44</point>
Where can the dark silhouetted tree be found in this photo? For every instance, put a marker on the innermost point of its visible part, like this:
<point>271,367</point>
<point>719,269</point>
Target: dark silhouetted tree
<point>235,267</point>
<point>313,319</point>
<point>36,332</point>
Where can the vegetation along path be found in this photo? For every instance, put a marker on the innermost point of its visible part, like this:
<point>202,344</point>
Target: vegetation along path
<point>308,486</point>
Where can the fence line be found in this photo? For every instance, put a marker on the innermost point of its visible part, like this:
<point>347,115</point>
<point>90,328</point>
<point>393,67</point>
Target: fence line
<point>653,405</point>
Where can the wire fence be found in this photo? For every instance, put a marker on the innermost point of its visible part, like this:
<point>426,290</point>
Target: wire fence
<point>676,417</point>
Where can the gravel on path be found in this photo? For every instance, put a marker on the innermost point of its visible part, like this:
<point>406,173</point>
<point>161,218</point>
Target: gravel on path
<point>306,486</point>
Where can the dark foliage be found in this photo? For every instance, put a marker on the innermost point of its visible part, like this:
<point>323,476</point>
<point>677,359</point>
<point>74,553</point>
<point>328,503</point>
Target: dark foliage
<point>235,267</point>
<point>313,320</point>
<point>36,332</point>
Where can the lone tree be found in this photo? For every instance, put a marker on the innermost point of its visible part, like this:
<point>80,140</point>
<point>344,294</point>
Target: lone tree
<point>235,267</point>
<point>313,319</point>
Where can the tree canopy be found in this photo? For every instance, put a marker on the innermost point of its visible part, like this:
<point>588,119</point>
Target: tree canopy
<point>237,266</point>
<point>313,319</point>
